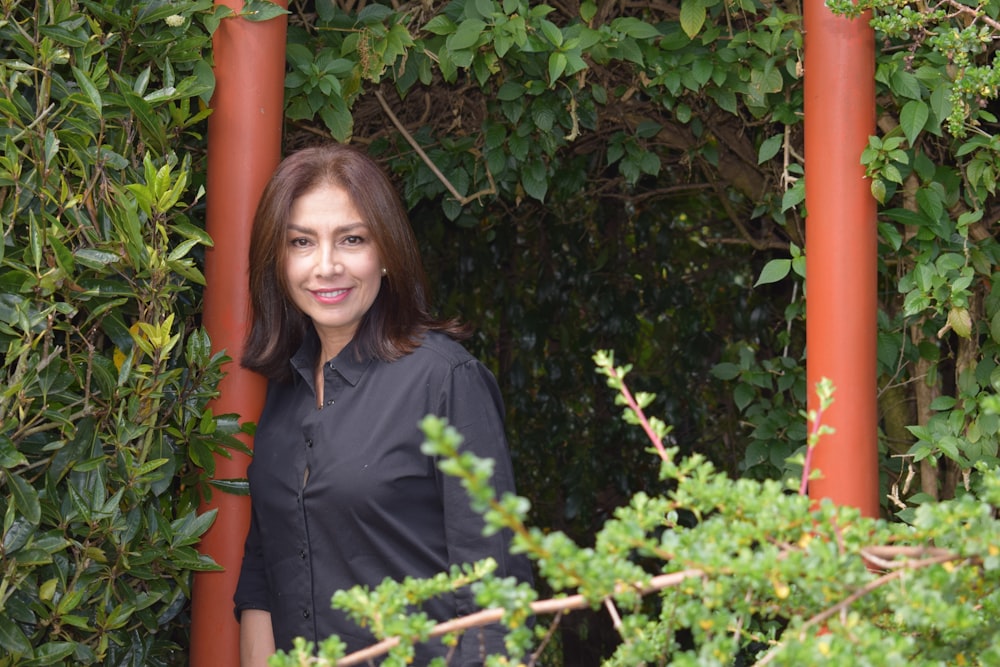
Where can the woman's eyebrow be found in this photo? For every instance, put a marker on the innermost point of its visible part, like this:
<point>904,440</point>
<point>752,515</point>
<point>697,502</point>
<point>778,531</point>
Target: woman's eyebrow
<point>342,229</point>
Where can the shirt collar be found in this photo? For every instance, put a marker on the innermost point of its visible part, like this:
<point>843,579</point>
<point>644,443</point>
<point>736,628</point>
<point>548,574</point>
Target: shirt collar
<point>351,363</point>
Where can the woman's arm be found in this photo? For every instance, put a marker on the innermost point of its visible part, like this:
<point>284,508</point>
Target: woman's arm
<point>256,638</point>
<point>473,405</point>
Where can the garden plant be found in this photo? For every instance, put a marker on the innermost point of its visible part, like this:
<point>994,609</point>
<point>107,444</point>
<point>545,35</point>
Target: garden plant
<point>583,176</point>
<point>739,571</point>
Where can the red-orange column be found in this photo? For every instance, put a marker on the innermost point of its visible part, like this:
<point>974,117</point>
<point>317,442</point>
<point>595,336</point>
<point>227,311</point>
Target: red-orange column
<point>244,146</point>
<point>841,252</point>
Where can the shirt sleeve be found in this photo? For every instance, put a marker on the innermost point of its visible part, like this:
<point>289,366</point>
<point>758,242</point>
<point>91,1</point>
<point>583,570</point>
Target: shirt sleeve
<point>251,589</point>
<point>472,404</point>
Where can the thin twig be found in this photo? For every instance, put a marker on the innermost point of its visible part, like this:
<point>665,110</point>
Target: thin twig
<point>495,615</point>
<point>549,634</point>
<point>634,405</point>
<point>616,619</point>
<point>857,595</point>
<point>492,190</point>
<point>810,447</point>
<point>977,15</point>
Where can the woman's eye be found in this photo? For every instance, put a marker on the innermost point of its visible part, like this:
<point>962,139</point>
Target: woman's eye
<point>300,242</point>
<point>354,240</point>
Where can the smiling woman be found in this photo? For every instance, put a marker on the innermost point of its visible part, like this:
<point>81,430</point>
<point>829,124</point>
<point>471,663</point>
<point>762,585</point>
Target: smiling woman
<point>332,268</point>
<point>341,492</point>
<point>398,316</point>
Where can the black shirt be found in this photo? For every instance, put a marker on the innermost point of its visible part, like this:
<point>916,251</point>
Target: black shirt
<point>342,495</point>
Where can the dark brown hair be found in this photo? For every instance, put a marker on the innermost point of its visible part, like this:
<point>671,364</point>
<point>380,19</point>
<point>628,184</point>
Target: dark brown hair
<point>397,319</point>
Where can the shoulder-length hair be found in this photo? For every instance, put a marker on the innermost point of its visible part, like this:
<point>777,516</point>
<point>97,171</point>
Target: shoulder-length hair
<point>400,315</point>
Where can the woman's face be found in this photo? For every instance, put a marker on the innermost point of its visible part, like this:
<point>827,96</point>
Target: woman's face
<point>332,267</point>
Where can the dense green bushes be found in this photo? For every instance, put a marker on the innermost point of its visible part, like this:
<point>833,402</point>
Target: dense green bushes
<point>717,571</point>
<point>607,177</point>
<point>591,175</point>
<point>104,424</point>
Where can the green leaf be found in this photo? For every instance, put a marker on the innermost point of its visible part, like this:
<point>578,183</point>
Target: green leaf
<point>485,8</point>
<point>635,28</point>
<point>912,119</point>
<point>943,403</point>
<point>930,204</point>
<point>552,33</point>
<point>51,147</point>
<point>9,456</point>
<point>510,90</point>
<point>440,25</point>
<point>725,98</point>
<point>25,497</point>
<point>961,321</point>
<point>150,121</point>
<point>534,180</point>
<point>467,35</point>
<point>557,65</point>
<point>794,195</point>
<point>773,271</point>
<point>89,89</point>
<point>769,148</point>
<point>337,117</point>
<point>905,84</point>
<point>726,371</point>
<point>12,638</point>
<point>374,13</point>
<point>692,17</point>
<point>701,70</point>
<point>743,395</point>
<point>62,35</point>
<point>995,327</point>
<point>19,533</point>
<point>236,487</point>
<point>262,10</point>
<point>878,190</point>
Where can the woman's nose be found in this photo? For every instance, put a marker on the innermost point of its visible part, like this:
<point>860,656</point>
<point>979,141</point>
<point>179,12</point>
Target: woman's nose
<point>329,262</point>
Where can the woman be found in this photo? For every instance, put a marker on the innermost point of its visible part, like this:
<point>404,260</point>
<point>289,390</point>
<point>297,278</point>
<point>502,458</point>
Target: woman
<point>341,493</point>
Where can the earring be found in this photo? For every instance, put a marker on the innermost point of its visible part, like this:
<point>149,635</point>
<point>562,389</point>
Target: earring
<point>383,271</point>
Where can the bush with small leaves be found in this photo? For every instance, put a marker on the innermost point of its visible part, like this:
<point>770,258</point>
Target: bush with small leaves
<point>718,569</point>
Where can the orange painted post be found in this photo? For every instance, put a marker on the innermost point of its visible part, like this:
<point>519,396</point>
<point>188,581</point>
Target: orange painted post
<point>841,252</point>
<point>244,146</point>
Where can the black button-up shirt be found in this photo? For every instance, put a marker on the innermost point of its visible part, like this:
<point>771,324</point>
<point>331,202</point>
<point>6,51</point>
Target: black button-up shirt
<point>342,494</point>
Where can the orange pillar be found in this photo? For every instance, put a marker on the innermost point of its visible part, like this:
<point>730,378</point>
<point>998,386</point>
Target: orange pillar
<point>841,252</point>
<point>244,146</point>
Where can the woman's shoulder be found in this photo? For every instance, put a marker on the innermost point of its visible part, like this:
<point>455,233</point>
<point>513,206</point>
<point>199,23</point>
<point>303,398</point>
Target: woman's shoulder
<point>438,348</point>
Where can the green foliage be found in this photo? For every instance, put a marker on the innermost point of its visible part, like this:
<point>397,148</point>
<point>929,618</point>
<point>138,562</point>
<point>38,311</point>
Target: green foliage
<point>105,429</point>
<point>546,80</point>
<point>717,569</point>
<point>940,79</point>
<point>588,176</point>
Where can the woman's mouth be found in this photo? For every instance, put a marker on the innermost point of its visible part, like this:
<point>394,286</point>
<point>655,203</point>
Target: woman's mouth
<point>330,295</point>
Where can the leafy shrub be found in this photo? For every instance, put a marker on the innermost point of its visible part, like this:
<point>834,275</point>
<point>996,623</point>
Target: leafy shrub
<point>720,571</point>
<point>107,376</point>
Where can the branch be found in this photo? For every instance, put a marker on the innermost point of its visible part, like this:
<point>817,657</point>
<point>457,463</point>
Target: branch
<point>976,15</point>
<point>637,410</point>
<point>495,615</point>
<point>492,190</point>
<point>857,595</point>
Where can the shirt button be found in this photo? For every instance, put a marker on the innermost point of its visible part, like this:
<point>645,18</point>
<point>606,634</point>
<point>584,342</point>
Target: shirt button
<point>330,402</point>
<point>302,554</point>
<point>305,613</point>
<point>309,443</point>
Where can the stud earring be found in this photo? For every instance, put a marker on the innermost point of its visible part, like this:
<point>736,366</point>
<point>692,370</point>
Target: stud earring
<point>383,271</point>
